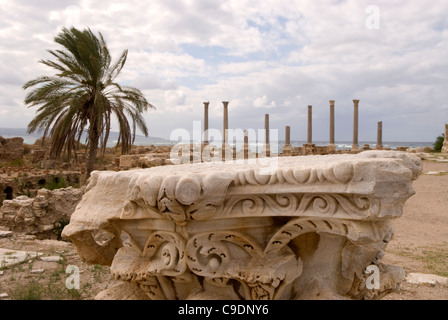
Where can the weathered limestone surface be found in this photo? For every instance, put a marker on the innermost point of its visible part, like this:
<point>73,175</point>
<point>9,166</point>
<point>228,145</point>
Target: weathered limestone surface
<point>306,229</point>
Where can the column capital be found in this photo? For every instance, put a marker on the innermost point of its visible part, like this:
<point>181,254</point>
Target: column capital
<point>332,102</point>
<point>355,101</point>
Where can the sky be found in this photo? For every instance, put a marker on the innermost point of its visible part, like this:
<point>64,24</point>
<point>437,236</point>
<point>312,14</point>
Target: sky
<point>264,57</point>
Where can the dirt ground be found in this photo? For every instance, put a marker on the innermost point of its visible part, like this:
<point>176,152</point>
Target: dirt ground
<point>420,241</point>
<point>420,244</point>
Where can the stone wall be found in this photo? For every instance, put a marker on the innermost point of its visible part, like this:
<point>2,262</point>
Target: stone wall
<point>25,181</point>
<point>43,216</point>
<point>11,149</point>
<point>145,157</point>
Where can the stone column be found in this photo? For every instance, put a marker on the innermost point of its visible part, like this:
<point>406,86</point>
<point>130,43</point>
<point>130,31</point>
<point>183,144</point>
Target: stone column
<point>287,149</point>
<point>267,146</point>
<point>287,135</point>
<point>205,123</point>
<point>246,145</point>
<point>310,125</point>
<point>355,145</point>
<point>379,136</point>
<point>445,141</point>
<point>225,138</point>
<point>331,145</point>
<point>308,148</point>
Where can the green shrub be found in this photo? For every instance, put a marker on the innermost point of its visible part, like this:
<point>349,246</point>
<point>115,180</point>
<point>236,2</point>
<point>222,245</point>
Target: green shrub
<point>439,143</point>
<point>13,163</point>
<point>56,183</point>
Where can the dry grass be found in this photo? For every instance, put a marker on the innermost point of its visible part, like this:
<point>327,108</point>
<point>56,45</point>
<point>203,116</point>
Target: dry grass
<point>20,283</point>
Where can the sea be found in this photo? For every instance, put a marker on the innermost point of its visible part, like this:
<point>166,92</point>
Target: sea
<point>253,146</point>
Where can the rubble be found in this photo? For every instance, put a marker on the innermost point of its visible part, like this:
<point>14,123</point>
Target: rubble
<point>43,216</point>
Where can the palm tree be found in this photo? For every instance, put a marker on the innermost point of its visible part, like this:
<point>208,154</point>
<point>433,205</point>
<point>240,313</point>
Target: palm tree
<point>83,96</point>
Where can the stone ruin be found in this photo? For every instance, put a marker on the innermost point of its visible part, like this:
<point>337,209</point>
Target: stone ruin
<point>27,181</point>
<point>311,149</point>
<point>44,215</point>
<point>25,205</point>
<point>445,140</point>
<point>311,227</point>
<point>11,148</point>
<point>144,157</point>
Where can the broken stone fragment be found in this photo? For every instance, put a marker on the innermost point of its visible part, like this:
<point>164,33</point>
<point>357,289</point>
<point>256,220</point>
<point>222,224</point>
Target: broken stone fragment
<point>37,271</point>
<point>51,258</point>
<point>45,227</point>
<point>422,278</point>
<point>4,296</point>
<point>5,234</point>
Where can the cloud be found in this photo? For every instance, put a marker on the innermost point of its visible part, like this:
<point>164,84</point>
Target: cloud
<point>175,98</point>
<point>275,57</point>
<point>262,102</point>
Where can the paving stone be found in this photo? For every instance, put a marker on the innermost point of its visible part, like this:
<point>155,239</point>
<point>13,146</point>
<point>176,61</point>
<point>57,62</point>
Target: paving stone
<point>10,258</point>
<point>423,278</point>
<point>37,271</point>
<point>51,259</point>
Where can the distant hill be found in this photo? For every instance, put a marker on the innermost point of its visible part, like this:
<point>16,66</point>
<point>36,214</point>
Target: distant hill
<point>113,137</point>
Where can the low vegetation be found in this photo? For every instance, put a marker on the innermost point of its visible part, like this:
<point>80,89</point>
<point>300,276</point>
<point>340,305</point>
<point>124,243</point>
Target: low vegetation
<point>56,183</point>
<point>439,143</point>
<point>434,259</point>
<point>20,283</point>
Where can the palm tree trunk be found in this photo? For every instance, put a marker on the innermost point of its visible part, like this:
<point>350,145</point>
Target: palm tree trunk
<point>93,142</point>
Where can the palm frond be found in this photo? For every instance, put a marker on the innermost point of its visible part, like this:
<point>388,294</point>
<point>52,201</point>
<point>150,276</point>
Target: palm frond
<point>82,97</point>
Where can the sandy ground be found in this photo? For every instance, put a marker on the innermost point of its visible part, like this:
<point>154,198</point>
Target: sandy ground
<point>420,244</point>
<point>420,241</point>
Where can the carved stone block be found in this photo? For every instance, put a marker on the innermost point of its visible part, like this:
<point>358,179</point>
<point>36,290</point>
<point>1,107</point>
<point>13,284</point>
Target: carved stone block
<point>308,228</point>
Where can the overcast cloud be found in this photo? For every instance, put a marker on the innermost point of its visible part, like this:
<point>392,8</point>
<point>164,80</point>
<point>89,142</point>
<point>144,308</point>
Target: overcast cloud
<point>273,57</point>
